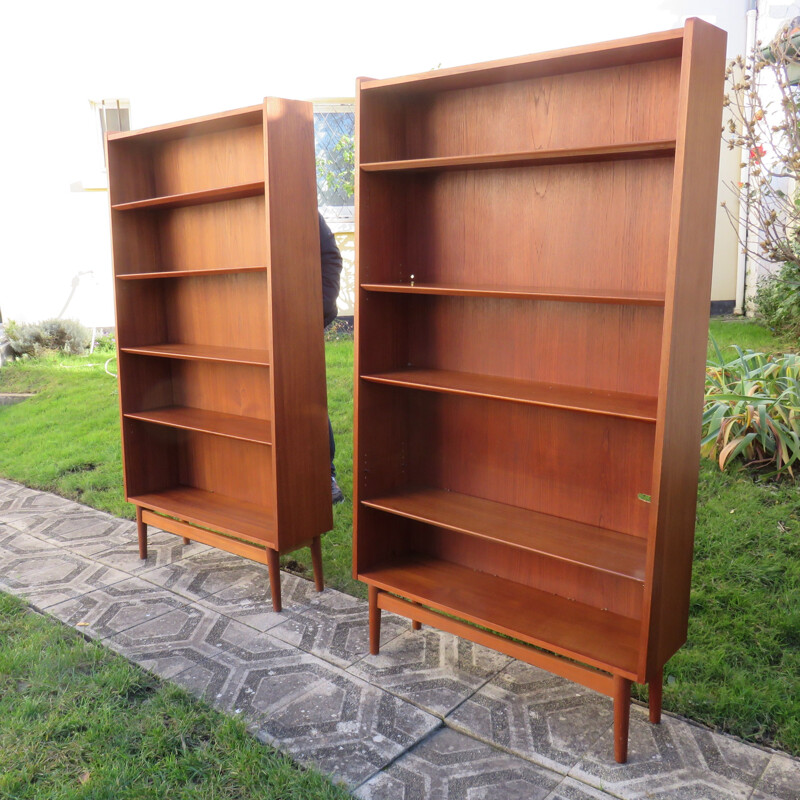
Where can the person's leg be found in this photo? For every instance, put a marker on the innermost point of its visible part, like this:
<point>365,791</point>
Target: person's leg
<point>337,496</point>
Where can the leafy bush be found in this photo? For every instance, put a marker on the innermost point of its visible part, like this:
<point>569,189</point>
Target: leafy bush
<point>752,411</point>
<point>35,339</point>
<point>778,300</point>
<point>106,342</point>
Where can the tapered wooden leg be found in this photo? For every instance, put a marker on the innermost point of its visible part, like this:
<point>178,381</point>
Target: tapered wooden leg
<point>622,717</point>
<point>274,566</point>
<point>415,625</point>
<point>316,562</point>
<point>374,622</point>
<point>655,694</point>
<point>141,531</point>
<point>187,540</point>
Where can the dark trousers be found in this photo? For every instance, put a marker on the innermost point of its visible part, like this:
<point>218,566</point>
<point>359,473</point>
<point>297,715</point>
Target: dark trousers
<point>333,448</point>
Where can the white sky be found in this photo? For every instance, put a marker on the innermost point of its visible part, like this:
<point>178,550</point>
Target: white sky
<point>176,59</point>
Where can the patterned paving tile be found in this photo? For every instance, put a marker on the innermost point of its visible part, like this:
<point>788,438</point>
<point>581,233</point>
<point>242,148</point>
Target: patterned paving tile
<point>570,789</point>
<point>536,715</point>
<point>172,642</point>
<point>112,609</point>
<point>780,781</point>
<point>248,598</point>
<point>430,668</point>
<point>307,707</point>
<point>15,543</point>
<point>335,626</point>
<point>48,577</point>
<point>673,761</point>
<point>162,549</point>
<point>207,573</point>
<point>450,765</point>
<point>83,530</point>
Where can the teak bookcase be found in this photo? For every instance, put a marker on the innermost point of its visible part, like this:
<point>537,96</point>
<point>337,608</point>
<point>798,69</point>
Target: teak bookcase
<point>219,331</point>
<point>534,262</point>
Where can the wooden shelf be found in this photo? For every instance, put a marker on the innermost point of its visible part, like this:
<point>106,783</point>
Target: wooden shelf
<point>214,195</point>
<point>573,398</point>
<point>231,426</point>
<point>202,352</point>
<point>562,539</point>
<point>186,273</point>
<point>596,637</point>
<point>523,293</point>
<point>663,148</point>
<point>212,510</point>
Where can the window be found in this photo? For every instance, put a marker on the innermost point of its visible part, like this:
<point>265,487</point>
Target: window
<point>334,137</point>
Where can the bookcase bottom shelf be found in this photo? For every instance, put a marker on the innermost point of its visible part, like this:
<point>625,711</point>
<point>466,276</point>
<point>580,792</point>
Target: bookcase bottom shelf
<point>590,635</point>
<point>227,515</point>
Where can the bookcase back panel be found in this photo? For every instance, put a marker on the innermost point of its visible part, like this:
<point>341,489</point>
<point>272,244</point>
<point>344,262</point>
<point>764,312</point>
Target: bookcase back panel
<point>151,457</point>
<point>595,346</point>
<point>213,235</point>
<point>632,103</point>
<point>578,466</point>
<point>229,309</point>
<point>241,470</point>
<point>192,163</point>
<point>141,313</point>
<point>145,383</point>
<point>526,227</point>
<point>575,582</point>
<point>228,388</point>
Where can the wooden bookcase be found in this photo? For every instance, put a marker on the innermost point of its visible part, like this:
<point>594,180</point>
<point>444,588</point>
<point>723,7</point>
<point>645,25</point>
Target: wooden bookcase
<point>219,331</point>
<point>534,262</point>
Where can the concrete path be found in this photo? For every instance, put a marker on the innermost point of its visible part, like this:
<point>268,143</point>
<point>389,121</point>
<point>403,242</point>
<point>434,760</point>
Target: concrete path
<point>432,716</point>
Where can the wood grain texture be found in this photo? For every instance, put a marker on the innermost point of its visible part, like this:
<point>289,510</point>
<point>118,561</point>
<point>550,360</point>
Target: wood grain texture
<point>604,640</point>
<point>598,681</point>
<point>300,428</point>
<point>556,537</point>
<point>691,248</point>
<point>216,259</point>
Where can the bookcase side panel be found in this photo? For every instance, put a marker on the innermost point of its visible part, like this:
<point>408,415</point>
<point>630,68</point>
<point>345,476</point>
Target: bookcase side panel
<point>301,449</point>
<point>685,335</point>
<point>130,170</point>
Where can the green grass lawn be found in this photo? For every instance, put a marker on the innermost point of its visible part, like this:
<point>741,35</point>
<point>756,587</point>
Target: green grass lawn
<point>85,723</point>
<point>738,671</point>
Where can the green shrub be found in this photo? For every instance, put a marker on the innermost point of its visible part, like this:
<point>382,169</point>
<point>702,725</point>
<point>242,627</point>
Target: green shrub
<point>752,411</point>
<point>106,342</point>
<point>778,300</point>
<point>35,339</point>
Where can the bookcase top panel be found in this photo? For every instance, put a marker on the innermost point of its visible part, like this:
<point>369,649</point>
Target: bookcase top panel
<point>197,126</point>
<point>637,49</point>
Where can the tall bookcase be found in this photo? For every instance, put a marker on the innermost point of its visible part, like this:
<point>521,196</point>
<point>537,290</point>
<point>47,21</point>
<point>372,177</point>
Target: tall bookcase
<point>534,262</point>
<point>219,331</point>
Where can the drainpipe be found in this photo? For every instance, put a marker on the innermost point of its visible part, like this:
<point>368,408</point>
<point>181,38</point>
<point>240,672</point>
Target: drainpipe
<point>744,203</point>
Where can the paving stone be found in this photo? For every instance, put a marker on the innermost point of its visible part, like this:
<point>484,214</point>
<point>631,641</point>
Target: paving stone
<point>536,715</point>
<point>307,707</point>
<point>162,549</point>
<point>207,573</point>
<point>172,642</point>
<point>781,779</point>
<point>248,598</point>
<point>113,609</point>
<point>450,765</point>
<point>432,669</point>
<point>335,626</point>
<point>47,577</point>
<point>15,543</point>
<point>84,530</point>
<point>570,789</point>
<point>674,760</point>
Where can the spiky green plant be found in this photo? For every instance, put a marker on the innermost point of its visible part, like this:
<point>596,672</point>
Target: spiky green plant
<point>752,411</point>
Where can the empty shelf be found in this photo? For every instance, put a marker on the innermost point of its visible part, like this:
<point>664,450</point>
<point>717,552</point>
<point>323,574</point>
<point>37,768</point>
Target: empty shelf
<point>186,273</point>
<point>573,398</point>
<point>202,352</point>
<point>572,155</point>
<point>563,539</point>
<point>588,634</point>
<point>231,426</point>
<point>211,510</point>
<point>214,195</point>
